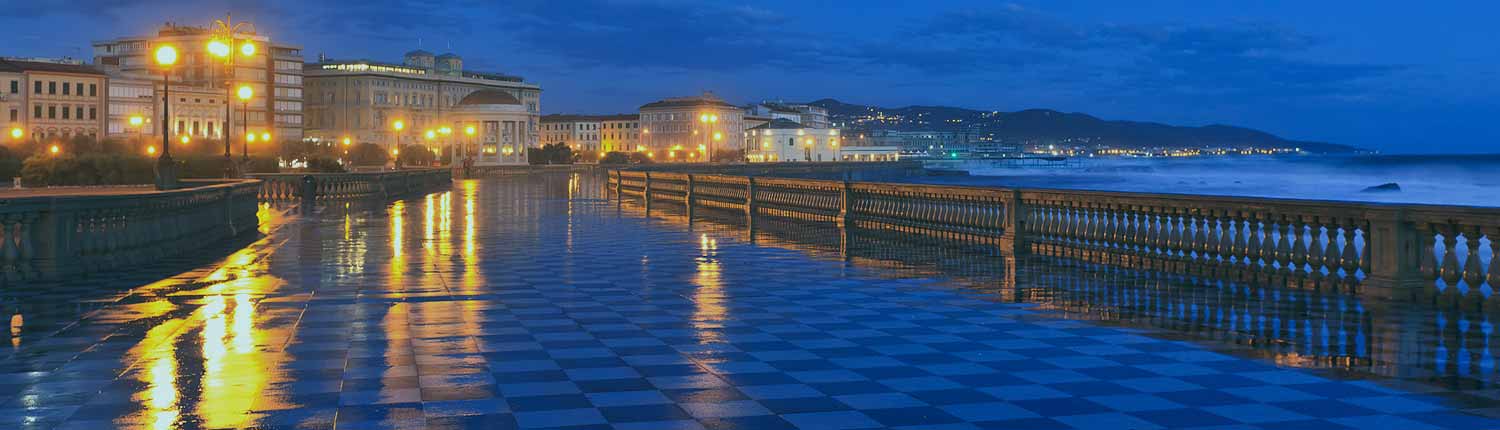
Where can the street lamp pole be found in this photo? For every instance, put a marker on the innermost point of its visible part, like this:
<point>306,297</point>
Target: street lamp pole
<point>223,45</point>
<point>245,93</point>
<point>166,171</point>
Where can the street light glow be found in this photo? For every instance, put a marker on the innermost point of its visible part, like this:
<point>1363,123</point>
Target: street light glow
<point>54,149</point>
<point>445,130</point>
<point>247,49</point>
<point>469,130</point>
<point>346,141</point>
<point>185,139</point>
<point>136,120</point>
<point>166,55</point>
<point>398,125</point>
<point>151,150</point>
<point>431,134</point>
<point>16,133</point>
<point>218,48</point>
<point>245,92</point>
<point>250,138</point>
<point>265,137</point>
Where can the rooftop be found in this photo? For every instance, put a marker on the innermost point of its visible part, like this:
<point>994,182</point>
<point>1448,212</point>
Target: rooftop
<point>590,118</point>
<point>7,65</point>
<point>707,99</point>
<point>779,124</point>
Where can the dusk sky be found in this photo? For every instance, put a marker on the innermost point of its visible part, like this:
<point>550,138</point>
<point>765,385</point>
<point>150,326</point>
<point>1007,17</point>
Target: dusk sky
<point>1393,76</point>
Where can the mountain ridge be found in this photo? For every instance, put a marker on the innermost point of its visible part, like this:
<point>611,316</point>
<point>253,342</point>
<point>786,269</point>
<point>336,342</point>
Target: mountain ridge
<point>1039,125</point>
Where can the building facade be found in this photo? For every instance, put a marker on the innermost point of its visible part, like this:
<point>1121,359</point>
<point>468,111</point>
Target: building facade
<point>784,140</point>
<point>594,133</point>
<point>363,100</point>
<point>274,73</point>
<point>52,100</point>
<point>579,132</point>
<point>500,122</point>
<point>690,129</point>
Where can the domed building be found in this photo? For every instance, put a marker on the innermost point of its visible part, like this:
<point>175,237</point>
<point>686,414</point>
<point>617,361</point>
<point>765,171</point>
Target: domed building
<point>500,122</point>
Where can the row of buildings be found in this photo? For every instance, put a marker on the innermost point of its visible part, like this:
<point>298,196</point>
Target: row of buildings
<point>424,99</point>
<point>120,95</point>
<point>706,127</point>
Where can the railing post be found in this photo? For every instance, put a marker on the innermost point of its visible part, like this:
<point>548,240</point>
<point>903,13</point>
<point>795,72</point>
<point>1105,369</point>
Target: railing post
<point>1013,239</point>
<point>844,203</point>
<point>687,197</point>
<point>750,199</point>
<point>309,193</point>
<point>1395,255</point>
<point>646,191</point>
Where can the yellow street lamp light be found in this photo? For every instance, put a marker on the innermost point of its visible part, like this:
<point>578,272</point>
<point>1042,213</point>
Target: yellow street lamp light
<point>136,120</point>
<point>250,137</point>
<point>185,139</point>
<point>445,130</point>
<point>166,55</point>
<point>398,125</point>
<point>265,137</point>
<point>718,136</point>
<point>247,49</point>
<point>245,92</point>
<point>703,118</point>
<point>54,149</point>
<point>16,133</point>
<point>218,48</point>
<point>395,152</point>
<point>431,134</point>
<point>346,141</point>
<point>469,130</point>
<point>151,150</point>
<point>713,118</point>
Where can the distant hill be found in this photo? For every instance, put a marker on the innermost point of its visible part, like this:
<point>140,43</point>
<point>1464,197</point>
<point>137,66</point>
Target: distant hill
<point>1049,126</point>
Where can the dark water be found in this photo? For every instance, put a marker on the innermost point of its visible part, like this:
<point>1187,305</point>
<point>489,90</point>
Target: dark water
<point>1471,180</point>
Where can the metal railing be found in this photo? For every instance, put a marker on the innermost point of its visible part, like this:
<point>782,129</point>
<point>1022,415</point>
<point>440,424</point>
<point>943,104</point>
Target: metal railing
<point>309,188</point>
<point>51,237</point>
<point>1386,249</point>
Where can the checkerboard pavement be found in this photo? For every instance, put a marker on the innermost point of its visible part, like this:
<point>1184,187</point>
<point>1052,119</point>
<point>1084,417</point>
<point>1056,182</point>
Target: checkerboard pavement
<point>504,304</point>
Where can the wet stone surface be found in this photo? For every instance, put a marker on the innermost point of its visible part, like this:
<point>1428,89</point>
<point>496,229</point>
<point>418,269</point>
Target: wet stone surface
<point>534,303</point>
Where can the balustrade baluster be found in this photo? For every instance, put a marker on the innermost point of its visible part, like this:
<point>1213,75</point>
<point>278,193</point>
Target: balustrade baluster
<point>1238,246</point>
<point>1182,238</point>
<point>1494,272</point>
<point>1332,255</point>
<point>1473,273</point>
<point>1315,247</point>
<point>1298,243</point>
<point>1450,273</point>
<point>1351,260</point>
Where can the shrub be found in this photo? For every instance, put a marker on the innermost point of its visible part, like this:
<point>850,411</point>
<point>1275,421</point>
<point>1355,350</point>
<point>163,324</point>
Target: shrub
<point>368,154</point>
<point>416,155</point>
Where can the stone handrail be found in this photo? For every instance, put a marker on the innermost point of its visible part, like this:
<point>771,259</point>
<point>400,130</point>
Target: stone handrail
<point>51,237</point>
<point>1389,249</point>
<point>322,186</point>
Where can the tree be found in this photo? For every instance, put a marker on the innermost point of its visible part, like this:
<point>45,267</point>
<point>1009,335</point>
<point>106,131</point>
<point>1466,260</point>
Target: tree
<point>615,158</point>
<point>729,155</point>
<point>368,154</point>
<point>552,153</point>
<point>416,155</point>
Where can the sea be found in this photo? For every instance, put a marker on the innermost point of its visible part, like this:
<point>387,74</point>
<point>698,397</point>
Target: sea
<point>1466,180</point>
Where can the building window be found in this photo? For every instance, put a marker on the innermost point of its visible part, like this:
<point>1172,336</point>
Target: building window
<point>36,112</point>
<point>51,112</point>
<point>38,87</point>
<point>65,112</point>
<point>93,112</point>
<point>93,90</point>
<point>14,114</point>
<point>65,88</point>
<point>51,87</point>
<point>15,87</point>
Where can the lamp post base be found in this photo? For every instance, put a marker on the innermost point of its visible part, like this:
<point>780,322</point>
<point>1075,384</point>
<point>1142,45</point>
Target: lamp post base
<point>166,173</point>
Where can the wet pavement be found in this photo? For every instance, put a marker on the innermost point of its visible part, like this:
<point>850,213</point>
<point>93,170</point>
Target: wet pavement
<point>536,303</point>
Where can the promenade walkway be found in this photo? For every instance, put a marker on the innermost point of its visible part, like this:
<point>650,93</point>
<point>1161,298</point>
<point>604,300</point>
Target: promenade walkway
<point>532,302</point>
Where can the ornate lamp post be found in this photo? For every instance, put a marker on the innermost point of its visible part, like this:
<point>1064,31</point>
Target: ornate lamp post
<point>708,120</point>
<point>166,171</point>
<point>224,46</point>
<point>244,93</point>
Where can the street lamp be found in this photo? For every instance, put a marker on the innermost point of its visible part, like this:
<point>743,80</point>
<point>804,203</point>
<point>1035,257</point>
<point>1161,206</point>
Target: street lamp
<point>166,172</point>
<point>245,93</point>
<point>222,45</point>
<point>135,122</point>
<point>16,133</point>
<point>708,121</point>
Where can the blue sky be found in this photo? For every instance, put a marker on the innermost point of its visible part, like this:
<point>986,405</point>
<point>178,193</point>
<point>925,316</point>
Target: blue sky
<point>1393,76</point>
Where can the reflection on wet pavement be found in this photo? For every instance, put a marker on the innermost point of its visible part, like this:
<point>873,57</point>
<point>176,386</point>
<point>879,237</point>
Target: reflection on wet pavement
<point>535,302</point>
